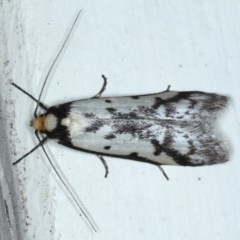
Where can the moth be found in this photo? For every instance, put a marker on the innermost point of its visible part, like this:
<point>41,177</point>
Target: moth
<point>165,128</point>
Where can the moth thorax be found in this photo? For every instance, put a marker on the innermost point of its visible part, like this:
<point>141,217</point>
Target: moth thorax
<point>50,122</point>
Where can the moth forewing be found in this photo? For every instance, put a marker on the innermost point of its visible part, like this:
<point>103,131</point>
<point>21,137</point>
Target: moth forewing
<point>168,128</point>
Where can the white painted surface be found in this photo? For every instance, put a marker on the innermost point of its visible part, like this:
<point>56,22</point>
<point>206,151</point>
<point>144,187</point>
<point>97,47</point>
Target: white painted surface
<point>141,46</point>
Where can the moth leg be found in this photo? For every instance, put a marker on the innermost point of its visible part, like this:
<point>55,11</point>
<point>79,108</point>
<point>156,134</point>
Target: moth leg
<point>163,172</point>
<point>98,95</point>
<point>104,164</point>
<point>168,88</point>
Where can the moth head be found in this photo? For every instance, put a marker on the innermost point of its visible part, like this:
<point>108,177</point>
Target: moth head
<point>44,123</point>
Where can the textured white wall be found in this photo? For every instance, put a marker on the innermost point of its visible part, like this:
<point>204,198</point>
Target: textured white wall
<point>141,46</point>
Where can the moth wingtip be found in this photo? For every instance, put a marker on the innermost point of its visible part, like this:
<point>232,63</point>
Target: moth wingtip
<point>222,102</point>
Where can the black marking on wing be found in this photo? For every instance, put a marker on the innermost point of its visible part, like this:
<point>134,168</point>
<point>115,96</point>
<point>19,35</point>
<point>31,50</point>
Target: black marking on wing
<point>210,102</point>
<point>60,111</point>
<point>192,147</point>
<point>133,155</point>
<point>130,127</point>
<point>89,115</point>
<point>138,113</point>
<point>158,102</point>
<point>95,126</point>
<point>135,97</point>
<point>147,111</point>
<point>129,115</point>
<point>157,146</point>
<point>111,110</point>
<point>186,136</point>
<point>181,159</point>
<point>107,147</point>
<point>108,101</point>
<point>60,132</point>
<point>110,136</point>
<point>170,109</point>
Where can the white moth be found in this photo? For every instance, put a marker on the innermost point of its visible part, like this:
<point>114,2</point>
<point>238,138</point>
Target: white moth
<point>166,128</point>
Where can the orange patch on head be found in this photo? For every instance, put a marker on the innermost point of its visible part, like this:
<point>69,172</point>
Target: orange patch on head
<point>38,123</point>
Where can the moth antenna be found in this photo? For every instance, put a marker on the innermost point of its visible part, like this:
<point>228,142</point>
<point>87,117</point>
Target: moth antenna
<point>163,172</point>
<point>56,58</point>
<point>70,190</point>
<point>42,105</point>
<point>41,142</point>
<point>98,95</point>
<point>104,164</point>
